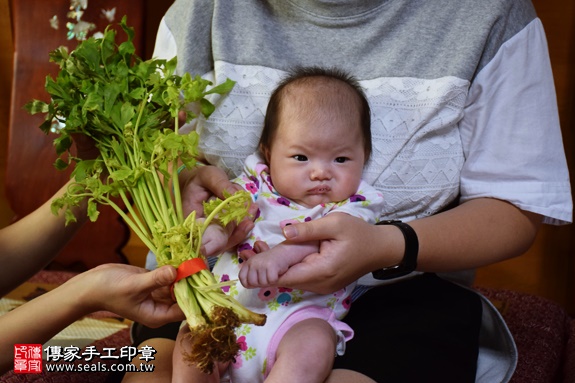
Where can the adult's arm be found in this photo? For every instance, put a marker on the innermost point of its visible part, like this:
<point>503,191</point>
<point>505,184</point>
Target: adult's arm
<point>29,244</point>
<point>123,289</point>
<point>476,233</point>
<point>479,232</point>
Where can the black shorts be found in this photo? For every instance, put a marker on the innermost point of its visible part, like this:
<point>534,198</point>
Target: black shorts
<point>423,329</point>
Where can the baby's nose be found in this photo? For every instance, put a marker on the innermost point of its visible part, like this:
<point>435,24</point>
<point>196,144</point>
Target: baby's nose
<point>320,173</point>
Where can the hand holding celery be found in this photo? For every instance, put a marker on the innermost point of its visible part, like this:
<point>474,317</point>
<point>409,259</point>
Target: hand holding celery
<point>129,107</point>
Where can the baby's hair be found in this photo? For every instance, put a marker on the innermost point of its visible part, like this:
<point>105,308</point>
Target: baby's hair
<point>303,75</point>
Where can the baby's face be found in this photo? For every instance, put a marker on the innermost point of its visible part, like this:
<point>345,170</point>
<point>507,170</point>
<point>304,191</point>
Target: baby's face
<point>317,158</point>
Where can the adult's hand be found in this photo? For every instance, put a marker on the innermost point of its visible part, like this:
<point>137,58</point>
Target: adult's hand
<point>126,290</point>
<point>129,291</point>
<point>349,248</point>
<point>203,183</point>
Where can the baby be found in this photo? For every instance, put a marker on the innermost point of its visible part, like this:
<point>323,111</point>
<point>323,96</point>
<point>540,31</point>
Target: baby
<point>315,142</point>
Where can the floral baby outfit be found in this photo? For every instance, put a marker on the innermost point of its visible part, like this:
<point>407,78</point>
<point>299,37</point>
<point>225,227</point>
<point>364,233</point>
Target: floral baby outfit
<point>284,306</point>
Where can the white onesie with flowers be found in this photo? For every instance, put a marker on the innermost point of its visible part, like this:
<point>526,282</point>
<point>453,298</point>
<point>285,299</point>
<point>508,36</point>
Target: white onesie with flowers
<point>283,306</point>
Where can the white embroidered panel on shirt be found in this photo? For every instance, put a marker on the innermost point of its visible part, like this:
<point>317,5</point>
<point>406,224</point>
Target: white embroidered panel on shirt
<point>417,152</point>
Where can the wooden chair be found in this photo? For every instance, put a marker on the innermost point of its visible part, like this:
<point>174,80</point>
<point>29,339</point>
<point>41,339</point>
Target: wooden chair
<point>31,178</point>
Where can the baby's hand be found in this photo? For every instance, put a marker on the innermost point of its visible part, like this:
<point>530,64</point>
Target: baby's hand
<point>214,239</point>
<point>262,266</point>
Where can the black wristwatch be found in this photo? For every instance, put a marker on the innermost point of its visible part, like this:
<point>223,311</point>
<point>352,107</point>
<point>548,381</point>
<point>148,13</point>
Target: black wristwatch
<point>409,261</point>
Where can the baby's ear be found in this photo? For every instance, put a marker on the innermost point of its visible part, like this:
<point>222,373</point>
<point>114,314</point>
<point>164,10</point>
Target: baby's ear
<point>265,153</point>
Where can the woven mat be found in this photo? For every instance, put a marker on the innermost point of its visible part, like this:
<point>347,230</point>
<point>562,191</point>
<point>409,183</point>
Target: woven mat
<point>87,330</point>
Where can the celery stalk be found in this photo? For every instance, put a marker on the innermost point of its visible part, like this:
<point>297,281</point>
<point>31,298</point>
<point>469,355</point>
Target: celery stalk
<point>129,108</point>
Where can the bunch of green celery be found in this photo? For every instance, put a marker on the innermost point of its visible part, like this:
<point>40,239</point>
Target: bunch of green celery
<point>130,107</point>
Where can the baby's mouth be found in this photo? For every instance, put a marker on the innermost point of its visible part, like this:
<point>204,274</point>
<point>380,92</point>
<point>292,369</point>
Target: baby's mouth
<point>321,189</point>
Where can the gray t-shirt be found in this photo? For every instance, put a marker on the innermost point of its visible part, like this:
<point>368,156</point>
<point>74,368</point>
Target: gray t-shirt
<point>462,97</point>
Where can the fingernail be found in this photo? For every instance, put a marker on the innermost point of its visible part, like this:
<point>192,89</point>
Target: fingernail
<point>290,231</point>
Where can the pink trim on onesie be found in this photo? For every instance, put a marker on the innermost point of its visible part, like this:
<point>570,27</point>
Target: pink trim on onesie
<point>342,330</point>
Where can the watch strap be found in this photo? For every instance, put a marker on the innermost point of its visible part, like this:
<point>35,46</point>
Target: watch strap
<point>409,262</point>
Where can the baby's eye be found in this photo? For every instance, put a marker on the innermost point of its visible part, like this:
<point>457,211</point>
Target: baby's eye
<point>300,157</point>
<point>341,160</point>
